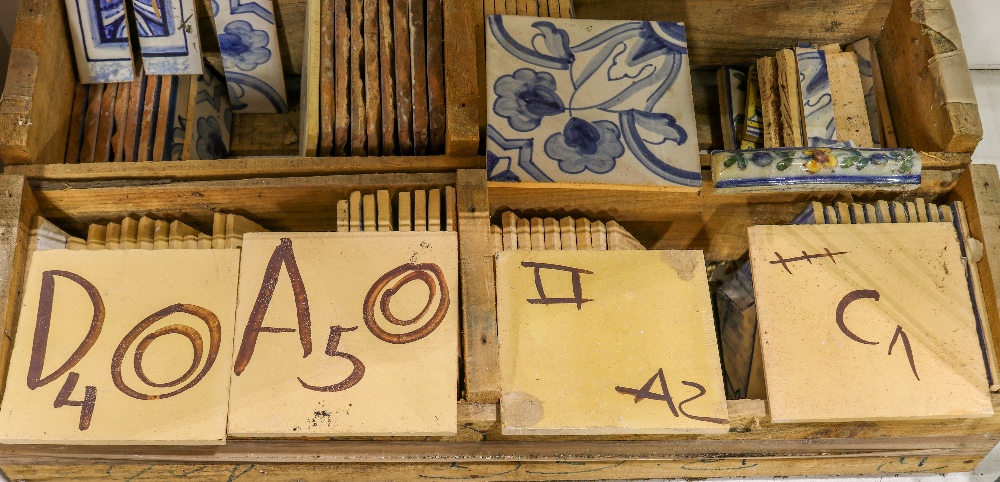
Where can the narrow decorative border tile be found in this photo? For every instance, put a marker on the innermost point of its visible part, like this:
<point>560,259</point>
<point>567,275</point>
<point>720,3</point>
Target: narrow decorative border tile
<point>815,169</point>
<point>249,43</point>
<point>101,40</point>
<point>168,36</point>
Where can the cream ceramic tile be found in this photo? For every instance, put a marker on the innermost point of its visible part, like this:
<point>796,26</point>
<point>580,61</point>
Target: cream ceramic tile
<point>866,322</point>
<point>368,212</point>
<point>250,55</point>
<point>420,210</point>
<point>340,367</point>
<point>537,234</point>
<point>553,234</point>
<point>523,229</point>
<point>101,41</point>
<point>73,376</point>
<point>405,212</point>
<point>590,101</point>
<point>583,234</point>
<point>357,224</point>
<point>384,203</point>
<point>561,372</point>
<point>509,227</point>
<point>434,210</point>
<point>343,218</point>
<point>567,233</point>
<point>599,236</point>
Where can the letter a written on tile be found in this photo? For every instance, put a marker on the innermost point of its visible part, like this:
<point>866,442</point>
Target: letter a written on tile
<point>122,347</point>
<point>346,334</point>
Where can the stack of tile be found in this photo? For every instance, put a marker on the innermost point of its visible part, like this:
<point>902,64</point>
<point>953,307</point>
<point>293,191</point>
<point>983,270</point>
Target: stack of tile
<point>420,210</point>
<point>149,232</point>
<point>735,300</point>
<point>807,97</point>
<point>380,65</point>
<point>566,234</point>
<point>142,120</point>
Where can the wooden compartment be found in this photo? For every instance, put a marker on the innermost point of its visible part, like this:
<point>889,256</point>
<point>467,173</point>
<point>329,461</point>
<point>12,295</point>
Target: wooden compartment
<point>715,223</point>
<point>38,98</point>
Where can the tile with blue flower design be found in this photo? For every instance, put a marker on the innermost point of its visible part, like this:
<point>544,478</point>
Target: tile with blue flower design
<point>168,36</point>
<point>248,40</point>
<point>817,168</point>
<point>101,40</point>
<point>590,102</point>
<point>213,117</point>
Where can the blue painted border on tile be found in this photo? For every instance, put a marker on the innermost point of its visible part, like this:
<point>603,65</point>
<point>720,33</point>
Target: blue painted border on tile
<point>525,149</point>
<point>968,280</point>
<point>186,52</point>
<point>83,33</point>
<point>913,179</point>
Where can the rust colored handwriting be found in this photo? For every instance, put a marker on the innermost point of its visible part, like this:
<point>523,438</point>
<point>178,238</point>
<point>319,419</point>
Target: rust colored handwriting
<point>784,262</point>
<point>898,335</point>
<point>575,280</point>
<point>647,393</point>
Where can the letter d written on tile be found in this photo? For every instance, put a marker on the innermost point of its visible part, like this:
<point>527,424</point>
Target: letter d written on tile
<point>122,347</point>
<point>346,334</point>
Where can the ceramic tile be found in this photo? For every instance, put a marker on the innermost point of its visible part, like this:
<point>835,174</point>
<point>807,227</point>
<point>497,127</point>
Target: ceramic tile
<point>119,374</point>
<point>561,372</point>
<point>819,168</point>
<point>168,36</point>
<point>817,101</point>
<point>863,49</point>
<point>891,334</point>
<point>249,43</point>
<point>179,125</point>
<point>733,89</point>
<point>332,364</point>
<point>100,40</point>
<point>753,130</point>
<point>213,122</point>
<point>563,108</point>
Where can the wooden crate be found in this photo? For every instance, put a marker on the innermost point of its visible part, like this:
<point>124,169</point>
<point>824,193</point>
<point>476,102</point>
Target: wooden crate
<point>715,223</point>
<point>38,97</point>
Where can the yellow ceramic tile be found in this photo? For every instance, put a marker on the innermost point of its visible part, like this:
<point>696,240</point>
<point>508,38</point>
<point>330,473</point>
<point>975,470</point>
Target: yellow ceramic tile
<point>567,233</point>
<point>346,370</point>
<point>523,234</point>
<point>420,210</point>
<point>405,212</point>
<point>357,224</point>
<point>158,306</point>
<point>553,234</point>
<point>384,206</point>
<point>161,234</point>
<point>599,236</point>
<point>112,236</point>
<point>368,213</point>
<point>343,218</point>
<point>537,234</point>
<point>583,234</point>
<point>145,232</point>
<point>509,227</point>
<point>434,210</point>
<point>866,322</point>
<point>601,359</point>
<point>129,234</point>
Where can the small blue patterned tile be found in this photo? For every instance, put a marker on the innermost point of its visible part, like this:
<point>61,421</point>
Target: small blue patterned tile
<point>100,40</point>
<point>590,102</point>
<point>248,40</point>
<point>168,36</point>
<point>213,117</point>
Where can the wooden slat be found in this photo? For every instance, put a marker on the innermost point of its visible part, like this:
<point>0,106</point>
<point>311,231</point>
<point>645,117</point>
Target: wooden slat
<point>41,76</point>
<point>924,70</point>
<point>436,114</point>
<point>387,50</point>
<point>462,87</point>
<point>358,67</point>
<point>75,136</point>
<point>404,84</point>
<point>739,43</point>
<point>17,209</point>
<point>342,51</point>
<point>481,367</point>
<point>373,100</point>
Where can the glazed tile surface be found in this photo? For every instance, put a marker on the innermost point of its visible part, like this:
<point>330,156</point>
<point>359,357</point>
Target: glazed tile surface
<point>815,168</point>
<point>213,120</point>
<point>817,101</point>
<point>100,40</point>
<point>589,101</point>
<point>249,44</point>
<point>168,36</point>
<point>863,49</point>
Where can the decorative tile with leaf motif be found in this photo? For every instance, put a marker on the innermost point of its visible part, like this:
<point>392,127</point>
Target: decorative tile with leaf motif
<point>168,36</point>
<point>590,102</point>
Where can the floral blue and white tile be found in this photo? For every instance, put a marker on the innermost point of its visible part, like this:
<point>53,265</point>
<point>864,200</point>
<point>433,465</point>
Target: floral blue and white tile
<point>248,40</point>
<point>213,117</point>
<point>590,102</point>
<point>168,36</point>
<point>100,40</point>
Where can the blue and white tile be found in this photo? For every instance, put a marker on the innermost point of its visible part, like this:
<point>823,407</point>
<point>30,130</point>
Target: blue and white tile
<point>181,115</point>
<point>734,85</point>
<point>101,40</point>
<point>590,102</point>
<point>807,169</point>
<point>213,117</point>
<point>817,100</point>
<point>248,40</point>
<point>168,36</point>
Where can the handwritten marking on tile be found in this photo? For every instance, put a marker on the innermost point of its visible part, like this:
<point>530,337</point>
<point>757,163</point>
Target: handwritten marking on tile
<point>575,273</point>
<point>899,334</point>
<point>805,257</point>
<point>646,392</point>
